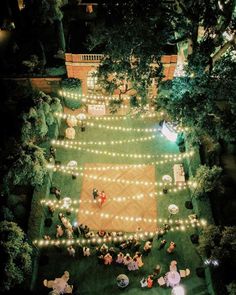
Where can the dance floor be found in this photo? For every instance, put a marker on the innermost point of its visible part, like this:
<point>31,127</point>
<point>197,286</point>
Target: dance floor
<point>129,207</point>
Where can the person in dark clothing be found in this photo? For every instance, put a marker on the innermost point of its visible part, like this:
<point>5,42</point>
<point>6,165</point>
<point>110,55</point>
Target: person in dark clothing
<point>162,244</point>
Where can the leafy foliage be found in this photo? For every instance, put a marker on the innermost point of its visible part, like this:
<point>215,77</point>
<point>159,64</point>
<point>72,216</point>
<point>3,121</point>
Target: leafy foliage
<point>130,54</point>
<point>205,102</point>
<point>231,288</point>
<point>39,117</point>
<point>72,85</point>
<point>219,244</point>
<point>16,261</point>
<point>28,166</point>
<point>207,179</point>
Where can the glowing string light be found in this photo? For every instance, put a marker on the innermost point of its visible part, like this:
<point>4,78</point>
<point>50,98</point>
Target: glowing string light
<point>175,157</point>
<point>116,237</point>
<point>110,142</point>
<point>116,180</point>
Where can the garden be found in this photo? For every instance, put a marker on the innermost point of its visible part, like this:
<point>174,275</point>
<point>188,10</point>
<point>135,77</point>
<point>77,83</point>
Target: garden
<point>110,154</point>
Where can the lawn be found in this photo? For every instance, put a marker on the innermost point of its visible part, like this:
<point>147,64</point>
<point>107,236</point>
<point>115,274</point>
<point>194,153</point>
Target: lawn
<point>89,277</point>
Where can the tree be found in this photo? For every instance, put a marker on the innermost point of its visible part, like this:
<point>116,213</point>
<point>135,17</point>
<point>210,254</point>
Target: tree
<point>217,243</point>
<point>231,288</point>
<point>49,11</point>
<point>15,263</point>
<point>205,101</point>
<point>207,179</point>
<point>28,166</point>
<point>132,57</point>
<point>202,24</point>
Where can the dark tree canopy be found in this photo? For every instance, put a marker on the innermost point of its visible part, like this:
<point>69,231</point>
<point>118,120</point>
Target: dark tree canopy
<point>205,101</point>
<point>15,262</point>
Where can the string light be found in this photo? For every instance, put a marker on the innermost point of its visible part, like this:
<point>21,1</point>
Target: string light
<point>116,237</point>
<point>67,170</point>
<point>111,142</point>
<point>175,157</point>
<point>120,128</point>
<point>92,97</point>
<point>60,205</point>
<point>110,118</point>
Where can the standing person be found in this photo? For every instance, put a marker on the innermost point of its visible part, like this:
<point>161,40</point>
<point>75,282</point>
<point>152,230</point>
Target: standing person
<point>95,193</point>
<point>162,244</point>
<point>138,257</point>
<point>102,198</point>
<point>71,251</point>
<point>171,247</point>
<point>147,247</point>
<point>120,258</point>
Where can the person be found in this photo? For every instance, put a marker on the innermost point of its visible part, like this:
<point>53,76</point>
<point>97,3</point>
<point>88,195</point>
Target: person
<point>51,209</point>
<point>120,258</point>
<point>157,270</point>
<point>162,244</point>
<point>95,193</point>
<point>127,259</point>
<point>102,198</point>
<point>143,283</point>
<point>133,265</point>
<point>69,233</point>
<point>86,251</point>
<point>53,152</point>
<point>71,251</point>
<point>60,231</point>
<point>104,249</point>
<point>46,237</point>
<point>173,265</point>
<point>138,257</point>
<point>171,247</point>
<point>147,247</point>
<point>107,259</point>
<point>56,191</point>
<point>150,281</point>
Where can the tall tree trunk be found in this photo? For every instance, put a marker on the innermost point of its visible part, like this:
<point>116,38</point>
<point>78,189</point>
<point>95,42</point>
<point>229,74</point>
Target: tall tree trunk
<point>60,35</point>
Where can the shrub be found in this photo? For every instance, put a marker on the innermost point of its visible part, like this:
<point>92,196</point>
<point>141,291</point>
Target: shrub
<point>16,262</point>
<point>73,86</point>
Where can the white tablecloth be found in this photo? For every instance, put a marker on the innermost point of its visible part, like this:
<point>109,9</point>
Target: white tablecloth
<point>179,174</point>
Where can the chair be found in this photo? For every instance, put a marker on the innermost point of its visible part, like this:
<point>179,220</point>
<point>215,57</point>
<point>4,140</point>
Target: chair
<point>161,282</point>
<point>184,273</point>
<point>69,289</point>
<point>187,272</point>
<point>48,284</point>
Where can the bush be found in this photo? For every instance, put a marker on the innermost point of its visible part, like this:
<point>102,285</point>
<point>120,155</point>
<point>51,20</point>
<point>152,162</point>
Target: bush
<point>73,86</point>
<point>6,214</point>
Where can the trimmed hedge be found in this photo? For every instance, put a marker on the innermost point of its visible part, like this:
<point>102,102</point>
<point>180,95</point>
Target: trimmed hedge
<point>73,86</point>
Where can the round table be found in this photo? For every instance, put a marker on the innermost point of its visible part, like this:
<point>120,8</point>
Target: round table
<point>66,202</point>
<point>122,281</point>
<point>81,117</point>
<point>71,121</point>
<point>72,164</point>
<point>70,133</point>
<point>172,278</point>
<point>173,209</point>
<point>166,178</point>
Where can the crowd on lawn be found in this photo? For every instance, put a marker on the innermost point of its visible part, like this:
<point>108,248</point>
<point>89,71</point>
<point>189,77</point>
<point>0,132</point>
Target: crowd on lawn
<point>120,250</point>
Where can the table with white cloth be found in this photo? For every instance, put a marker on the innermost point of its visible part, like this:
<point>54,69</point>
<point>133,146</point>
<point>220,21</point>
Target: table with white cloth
<point>70,133</point>
<point>172,278</point>
<point>71,121</point>
<point>179,174</point>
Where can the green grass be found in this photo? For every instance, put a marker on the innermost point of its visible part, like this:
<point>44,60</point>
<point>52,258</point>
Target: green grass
<point>87,276</point>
